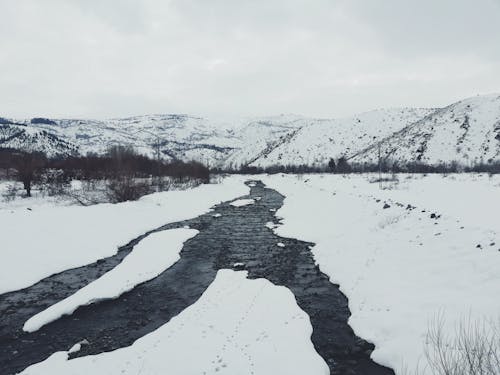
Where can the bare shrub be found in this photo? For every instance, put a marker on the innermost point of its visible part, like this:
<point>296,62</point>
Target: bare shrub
<point>126,188</point>
<point>10,192</point>
<point>89,192</point>
<point>216,179</point>
<point>163,184</point>
<point>385,182</point>
<point>473,349</point>
<point>54,182</point>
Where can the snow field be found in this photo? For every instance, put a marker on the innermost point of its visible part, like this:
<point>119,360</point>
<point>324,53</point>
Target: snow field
<point>238,326</point>
<point>46,240</point>
<point>399,268</point>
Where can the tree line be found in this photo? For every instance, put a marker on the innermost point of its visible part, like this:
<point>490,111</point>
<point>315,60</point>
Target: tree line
<point>342,166</point>
<point>121,166</point>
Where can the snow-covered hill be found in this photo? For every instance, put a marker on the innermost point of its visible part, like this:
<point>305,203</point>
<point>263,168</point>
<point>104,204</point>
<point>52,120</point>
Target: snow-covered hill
<point>467,132</point>
<point>180,136</point>
<point>319,140</point>
<point>28,138</point>
<point>261,135</point>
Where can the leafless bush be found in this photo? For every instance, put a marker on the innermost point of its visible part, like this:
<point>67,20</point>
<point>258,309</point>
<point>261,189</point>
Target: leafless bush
<point>386,182</point>
<point>10,192</point>
<point>126,188</point>
<point>163,183</point>
<point>90,192</point>
<point>391,178</point>
<point>216,178</point>
<point>54,182</point>
<point>473,349</point>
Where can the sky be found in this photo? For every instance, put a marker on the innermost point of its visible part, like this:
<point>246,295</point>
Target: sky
<point>319,58</point>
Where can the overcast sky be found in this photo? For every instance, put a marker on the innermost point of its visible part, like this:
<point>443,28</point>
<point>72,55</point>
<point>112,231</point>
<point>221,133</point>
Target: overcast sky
<point>322,58</point>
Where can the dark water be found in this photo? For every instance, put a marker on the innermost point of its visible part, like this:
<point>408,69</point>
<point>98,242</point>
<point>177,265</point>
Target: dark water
<point>239,235</point>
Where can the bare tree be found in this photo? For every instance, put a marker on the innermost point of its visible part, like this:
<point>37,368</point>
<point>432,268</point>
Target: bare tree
<point>27,164</point>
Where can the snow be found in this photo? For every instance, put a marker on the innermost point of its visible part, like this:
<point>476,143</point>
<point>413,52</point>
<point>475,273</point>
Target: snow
<point>466,197</point>
<point>16,199</point>
<point>150,257</point>
<point>318,140</point>
<point>465,131</point>
<point>75,348</point>
<point>270,225</point>
<point>238,326</point>
<point>399,268</point>
<point>78,346</point>
<point>48,239</point>
<point>242,202</point>
<point>280,244</point>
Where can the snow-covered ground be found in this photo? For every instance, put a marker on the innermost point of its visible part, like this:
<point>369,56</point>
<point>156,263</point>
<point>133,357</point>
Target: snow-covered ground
<point>77,192</point>
<point>46,239</point>
<point>238,326</point>
<point>150,257</point>
<point>13,196</point>
<point>403,251</point>
<point>399,267</point>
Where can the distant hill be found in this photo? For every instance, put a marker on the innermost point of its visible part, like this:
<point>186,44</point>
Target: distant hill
<point>467,132</point>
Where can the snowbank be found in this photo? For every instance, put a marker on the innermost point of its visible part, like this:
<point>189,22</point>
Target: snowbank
<point>148,259</point>
<point>242,202</point>
<point>237,326</point>
<point>46,240</point>
<point>399,267</point>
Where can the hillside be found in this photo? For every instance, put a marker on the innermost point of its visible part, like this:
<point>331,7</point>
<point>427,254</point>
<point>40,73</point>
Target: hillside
<point>319,140</point>
<point>28,138</point>
<point>467,132</point>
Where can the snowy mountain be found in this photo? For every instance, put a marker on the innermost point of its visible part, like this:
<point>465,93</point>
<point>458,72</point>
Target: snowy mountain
<point>467,132</point>
<point>260,136</point>
<point>180,136</point>
<point>317,141</point>
<point>28,138</point>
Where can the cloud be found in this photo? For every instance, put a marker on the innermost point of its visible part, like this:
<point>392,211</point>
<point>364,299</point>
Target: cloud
<point>413,28</point>
<point>102,58</point>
